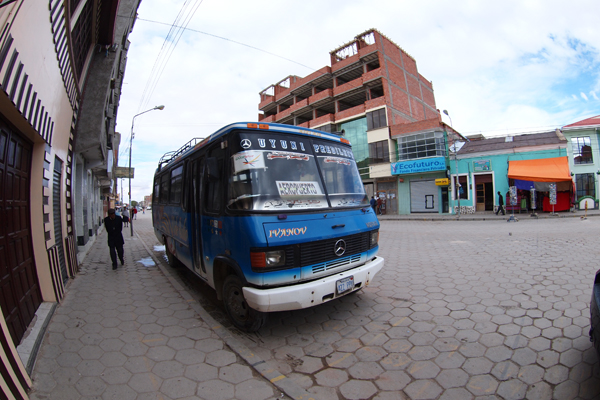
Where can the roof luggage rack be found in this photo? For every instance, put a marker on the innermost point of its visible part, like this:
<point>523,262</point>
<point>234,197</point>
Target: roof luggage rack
<point>171,155</point>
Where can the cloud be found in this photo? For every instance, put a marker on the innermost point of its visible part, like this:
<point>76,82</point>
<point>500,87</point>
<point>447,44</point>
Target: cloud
<point>584,96</point>
<point>496,67</point>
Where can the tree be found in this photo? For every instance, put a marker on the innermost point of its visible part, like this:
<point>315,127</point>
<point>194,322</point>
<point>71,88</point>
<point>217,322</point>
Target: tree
<point>134,203</point>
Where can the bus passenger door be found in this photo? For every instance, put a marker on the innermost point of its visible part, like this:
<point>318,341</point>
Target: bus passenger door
<point>196,215</point>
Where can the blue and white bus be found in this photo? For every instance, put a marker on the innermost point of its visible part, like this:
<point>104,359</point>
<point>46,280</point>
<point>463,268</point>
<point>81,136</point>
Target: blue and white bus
<point>273,217</point>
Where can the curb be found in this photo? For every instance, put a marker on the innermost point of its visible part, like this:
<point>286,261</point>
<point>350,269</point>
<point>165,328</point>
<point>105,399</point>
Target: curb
<point>484,217</point>
<point>282,382</point>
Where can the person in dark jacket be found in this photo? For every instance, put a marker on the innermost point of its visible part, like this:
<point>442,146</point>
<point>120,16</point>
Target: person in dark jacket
<point>114,228</point>
<point>500,204</point>
<point>373,204</point>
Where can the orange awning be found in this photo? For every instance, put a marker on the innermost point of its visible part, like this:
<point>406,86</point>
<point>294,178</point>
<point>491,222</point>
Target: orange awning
<point>540,170</point>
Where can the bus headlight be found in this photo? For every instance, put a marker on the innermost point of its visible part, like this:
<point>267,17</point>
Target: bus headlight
<point>267,259</point>
<point>374,239</point>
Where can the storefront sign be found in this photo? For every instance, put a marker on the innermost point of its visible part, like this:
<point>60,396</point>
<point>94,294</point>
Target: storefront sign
<point>442,182</point>
<point>421,165</point>
<point>553,193</point>
<point>513,195</point>
<point>482,166</point>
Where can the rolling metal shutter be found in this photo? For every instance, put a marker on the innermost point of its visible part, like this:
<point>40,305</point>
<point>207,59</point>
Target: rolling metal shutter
<point>424,197</point>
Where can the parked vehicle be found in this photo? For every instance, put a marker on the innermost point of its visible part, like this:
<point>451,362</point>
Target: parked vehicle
<point>595,314</point>
<point>273,217</point>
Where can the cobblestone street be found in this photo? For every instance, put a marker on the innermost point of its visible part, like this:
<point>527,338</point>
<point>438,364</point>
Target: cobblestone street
<point>461,310</point>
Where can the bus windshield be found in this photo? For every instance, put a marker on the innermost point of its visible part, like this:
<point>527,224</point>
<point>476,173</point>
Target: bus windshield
<point>274,172</point>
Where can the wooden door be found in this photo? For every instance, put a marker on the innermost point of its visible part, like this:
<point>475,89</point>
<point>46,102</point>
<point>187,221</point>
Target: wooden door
<point>20,295</point>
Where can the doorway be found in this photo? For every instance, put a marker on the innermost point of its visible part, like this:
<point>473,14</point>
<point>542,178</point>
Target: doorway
<point>20,295</point>
<point>484,192</point>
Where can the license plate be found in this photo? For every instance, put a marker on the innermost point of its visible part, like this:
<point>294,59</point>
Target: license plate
<point>345,285</point>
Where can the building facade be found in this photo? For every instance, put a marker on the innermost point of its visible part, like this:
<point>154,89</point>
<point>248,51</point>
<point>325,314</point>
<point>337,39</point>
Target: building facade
<point>371,85</point>
<point>483,168</point>
<point>61,66</point>
<point>423,165</point>
<point>584,160</point>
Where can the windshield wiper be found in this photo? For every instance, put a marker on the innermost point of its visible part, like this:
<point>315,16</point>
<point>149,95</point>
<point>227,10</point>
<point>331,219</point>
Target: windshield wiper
<point>244,196</point>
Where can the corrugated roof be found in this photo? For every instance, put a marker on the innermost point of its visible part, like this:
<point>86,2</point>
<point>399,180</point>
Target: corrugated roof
<point>501,143</point>
<point>592,121</point>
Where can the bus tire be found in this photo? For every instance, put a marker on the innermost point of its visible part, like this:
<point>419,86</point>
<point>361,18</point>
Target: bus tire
<point>240,313</point>
<point>171,259</point>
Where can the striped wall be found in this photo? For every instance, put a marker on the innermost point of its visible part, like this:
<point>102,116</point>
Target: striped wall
<point>16,82</point>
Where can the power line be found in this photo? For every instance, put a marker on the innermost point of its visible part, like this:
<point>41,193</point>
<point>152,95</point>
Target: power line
<point>232,41</point>
<point>170,43</point>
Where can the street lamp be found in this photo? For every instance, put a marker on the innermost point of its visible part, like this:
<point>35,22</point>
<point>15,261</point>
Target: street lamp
<point>456,166</point>
<point>161,107</point>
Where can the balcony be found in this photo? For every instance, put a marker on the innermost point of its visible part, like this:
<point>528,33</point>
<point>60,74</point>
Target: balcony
<point>262,118</point>
<point>373,75</point>
<point>344,63</point>
<point>365,51</point>
<point>320,98</point>
<point>322,120</point>
<point>299,105</point>
<point>360,109</point>
<point>379,101</point>
<point>346,88</point>
<point>313,78</point>
<point>266,100</point>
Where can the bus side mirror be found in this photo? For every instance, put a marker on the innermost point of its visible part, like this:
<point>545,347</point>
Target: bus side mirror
<point>212,168</point>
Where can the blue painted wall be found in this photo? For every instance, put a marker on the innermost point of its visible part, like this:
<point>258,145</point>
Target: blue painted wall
<point>499,171</point>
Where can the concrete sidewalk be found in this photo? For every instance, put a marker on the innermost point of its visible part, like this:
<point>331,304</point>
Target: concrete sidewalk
<point>134,333</point>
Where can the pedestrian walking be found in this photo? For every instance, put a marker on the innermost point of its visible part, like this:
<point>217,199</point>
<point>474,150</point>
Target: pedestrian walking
<point>500,204</point>
<point>373,204</point>
<point>379,204</point>
<point>125,217</point>
<point>134,211</point>
<point>114,228</point>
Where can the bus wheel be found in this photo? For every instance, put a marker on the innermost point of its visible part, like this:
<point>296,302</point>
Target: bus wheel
<point>242,316</point>
<point>171,259</point>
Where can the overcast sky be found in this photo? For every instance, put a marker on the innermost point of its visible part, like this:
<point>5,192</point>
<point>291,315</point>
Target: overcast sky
<point>497,67</point>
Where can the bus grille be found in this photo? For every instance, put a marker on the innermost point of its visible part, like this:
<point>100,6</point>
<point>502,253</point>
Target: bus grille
<point>335,264</point>
<point>322,251</point>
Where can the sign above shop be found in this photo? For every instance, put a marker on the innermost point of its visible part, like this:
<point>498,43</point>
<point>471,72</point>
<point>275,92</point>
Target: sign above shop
<point>442,182</point>
<point>482,165</point>
<point>420,165</point>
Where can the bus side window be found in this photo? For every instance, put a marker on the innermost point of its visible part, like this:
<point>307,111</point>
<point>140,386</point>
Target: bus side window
<point>165,181</point>
<point>176,185</point>
<point>213,185</point>
<point>156,194</point>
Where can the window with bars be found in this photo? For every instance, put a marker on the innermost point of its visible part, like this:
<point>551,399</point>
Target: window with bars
<point>582,150</point>
<point>82,37</point>
<point>73,5</point>
<point>421,145</point>
<point>585,184</point>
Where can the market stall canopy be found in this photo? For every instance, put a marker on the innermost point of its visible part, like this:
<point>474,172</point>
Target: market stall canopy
<point>540,170</point>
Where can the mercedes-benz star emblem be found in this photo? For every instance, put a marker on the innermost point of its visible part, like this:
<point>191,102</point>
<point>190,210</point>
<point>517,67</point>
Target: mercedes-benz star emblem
<point>340,248</point>
<point>246,144</point>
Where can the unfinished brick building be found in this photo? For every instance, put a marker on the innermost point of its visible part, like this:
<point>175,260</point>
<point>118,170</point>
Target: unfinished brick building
<point>372,84</point>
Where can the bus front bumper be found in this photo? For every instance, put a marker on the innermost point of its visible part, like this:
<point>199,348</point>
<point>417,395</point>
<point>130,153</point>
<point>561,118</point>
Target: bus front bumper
<point>304,295</point>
